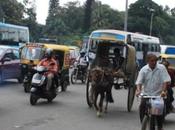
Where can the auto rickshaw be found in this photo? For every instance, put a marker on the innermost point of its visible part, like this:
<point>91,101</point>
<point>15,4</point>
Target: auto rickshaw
<point>32,53</point>
<point>168,57</point>
<point>101,48</point>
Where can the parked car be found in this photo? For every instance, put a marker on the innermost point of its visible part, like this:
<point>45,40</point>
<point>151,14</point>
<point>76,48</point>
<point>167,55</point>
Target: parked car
<point>9,63</point>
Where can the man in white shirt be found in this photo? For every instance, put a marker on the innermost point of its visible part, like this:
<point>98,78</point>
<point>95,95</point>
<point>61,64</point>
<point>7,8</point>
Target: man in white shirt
<point>152,80</point>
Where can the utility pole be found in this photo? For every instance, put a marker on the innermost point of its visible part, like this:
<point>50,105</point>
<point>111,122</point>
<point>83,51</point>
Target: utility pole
<point>151,23</point>
<point>126,16</point>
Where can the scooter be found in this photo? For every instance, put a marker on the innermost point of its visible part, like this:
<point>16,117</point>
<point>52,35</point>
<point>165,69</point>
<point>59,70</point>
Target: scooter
<point>38,86</point>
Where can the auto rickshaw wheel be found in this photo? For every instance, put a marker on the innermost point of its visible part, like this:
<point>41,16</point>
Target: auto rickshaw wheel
<point>20,80</point>
<point>64,86</point>
<point>89,93</point>
<point>131,95</point>
<point>26,87</point>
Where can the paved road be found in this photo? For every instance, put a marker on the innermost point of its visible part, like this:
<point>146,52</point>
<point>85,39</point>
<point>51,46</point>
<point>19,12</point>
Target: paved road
<point>68,111</point>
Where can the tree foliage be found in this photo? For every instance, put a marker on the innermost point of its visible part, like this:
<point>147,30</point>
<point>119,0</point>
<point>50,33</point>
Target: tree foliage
<point>87,15</point>
<point>11,11</point>
<point>70,22</point>
<point>140,18</point>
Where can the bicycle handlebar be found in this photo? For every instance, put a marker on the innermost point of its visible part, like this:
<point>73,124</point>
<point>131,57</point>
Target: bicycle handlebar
<point>149,96</point>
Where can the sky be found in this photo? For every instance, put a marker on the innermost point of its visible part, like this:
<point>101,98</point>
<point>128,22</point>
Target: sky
<point>42,6</point>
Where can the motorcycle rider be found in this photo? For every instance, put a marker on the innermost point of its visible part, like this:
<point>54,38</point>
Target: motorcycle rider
<point>82,61</point>
<point>50,63</point>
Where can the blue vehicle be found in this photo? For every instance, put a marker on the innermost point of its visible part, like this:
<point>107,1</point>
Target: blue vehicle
<point>9,63</point>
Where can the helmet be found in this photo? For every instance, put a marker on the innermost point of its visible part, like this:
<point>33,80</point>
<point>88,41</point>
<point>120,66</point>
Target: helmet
<point>48,53</point>
<point>82,53</point>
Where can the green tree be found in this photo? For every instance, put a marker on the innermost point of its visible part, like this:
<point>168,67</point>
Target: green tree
<point>163,21</point>
<point>173,11</point>
<point>30,19</point>
<point>87,15</point>
<point>104,17</point>
<point>11,11</point>
<point>54,22</point>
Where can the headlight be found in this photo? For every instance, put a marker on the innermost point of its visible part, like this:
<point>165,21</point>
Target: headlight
<point>24,66</point>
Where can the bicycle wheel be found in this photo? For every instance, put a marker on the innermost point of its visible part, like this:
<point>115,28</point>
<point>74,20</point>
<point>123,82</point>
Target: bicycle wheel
<point>146,123</point>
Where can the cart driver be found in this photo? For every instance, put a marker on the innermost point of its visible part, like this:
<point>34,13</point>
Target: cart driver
<point>117,64</point>
<point>118,59</point>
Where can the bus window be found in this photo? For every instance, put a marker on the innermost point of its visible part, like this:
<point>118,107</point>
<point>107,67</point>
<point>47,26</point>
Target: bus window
<point>140,47</point>
<point>153,48</point>
<point>149,47</point>
<point>135,45</point>
<point>157,48</point>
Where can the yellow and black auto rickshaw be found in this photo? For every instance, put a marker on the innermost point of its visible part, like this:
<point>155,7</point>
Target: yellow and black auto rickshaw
<point>32,53</point>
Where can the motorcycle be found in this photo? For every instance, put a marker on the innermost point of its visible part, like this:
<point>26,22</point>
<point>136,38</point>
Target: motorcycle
<point>38,86</point>
<point>79,73</point>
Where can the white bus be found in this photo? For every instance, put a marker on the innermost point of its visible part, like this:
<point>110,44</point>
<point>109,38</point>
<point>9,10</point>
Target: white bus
<point>13,35</point>
<point>144,44</point>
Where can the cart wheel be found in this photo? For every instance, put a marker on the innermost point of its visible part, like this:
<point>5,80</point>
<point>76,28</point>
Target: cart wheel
<point>50,100</point>
<point>131,95</point>
<point>89,93</point>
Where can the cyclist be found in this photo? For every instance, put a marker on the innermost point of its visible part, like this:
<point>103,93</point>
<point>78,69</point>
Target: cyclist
<point>154,77</point>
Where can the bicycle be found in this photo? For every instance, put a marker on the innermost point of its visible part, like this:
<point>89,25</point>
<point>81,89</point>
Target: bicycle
<point>155,106</point>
